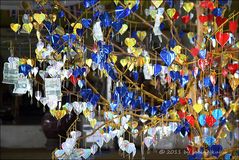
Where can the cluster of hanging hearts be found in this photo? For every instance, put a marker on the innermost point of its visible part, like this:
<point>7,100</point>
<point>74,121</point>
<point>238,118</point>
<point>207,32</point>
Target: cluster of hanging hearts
<point>63,55</point>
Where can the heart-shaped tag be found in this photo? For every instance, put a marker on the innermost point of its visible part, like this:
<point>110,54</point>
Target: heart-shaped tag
<point>210,120</point>
<point>123,29</point>
<point>27,27</point>
<point>106,137</point>
<point>234,82</point>
<point>58,153</point>
<point>148,141</point>
<point>141,35</point>
<point>59,114</point>
<point>202,63</point>
<point>198,107</point>
<point>144,118</point>
<point>167,56</point>
<point>157,3</point>
<point>124,62</point>
<point>232,67</point>
<point>86,153</point>
<point>233,26</point>
<point>88,62</point>
<point>220,21</point>
<point>171,12</point>
<point>188,6</point>
<point>190,119</point>
<point>94,149</point>
<point>15,26</point>
<point>222,38</point>
<point>130,42</point>
<point>185,19</point>
<point>194,51</point>
<point>203,18</point>
<point>93,122</point>
<point>39,17</point>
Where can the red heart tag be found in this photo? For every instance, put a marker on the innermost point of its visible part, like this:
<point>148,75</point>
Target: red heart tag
<point>185,19</point>
<point>183,101</point>
<point>202,64</point>
<point>220,21</point>
<point>203,18</point>
<point>210,17</point>
<point>73,80</point>
<point>194,52</point>
<point>210,120</point>
<point>224,72</point>
<point>181,114</point>
<point>233,26</point>
<point>222,38</point>
<point>176,15</point>
<point>190,149</point>
<point>190,120</point>
<point>207,4</point>
<point>232,67</point>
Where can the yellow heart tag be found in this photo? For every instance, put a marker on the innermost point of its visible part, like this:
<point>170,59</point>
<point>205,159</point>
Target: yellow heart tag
<point>140,61</point>
<point>130,3</point>
<point>181,58</point>
<point>130,42</point>
<point>23,61</point>
<point>177,49</point>
<point>113,58</point>
<point>157,3</point>
<point>53,17</point>
<point>190,35</point>
<point>76,26</point>
<point>53,111</point>
<point>181,92</point>
<point>30,62</point>
<point>88,62</point>
<point>197,107</point>
<point>124,62</point>
<point>235,107</point>
<point>27,27</point>
<point>137,51</point>
<point>173,114</point>
<point>60,30</point>
<point>39,17</point>
<point>171,12</point>
<point>15,26</point>
<point>234,82</point>
<point>93,122</point>
<point>86,113</point>
<point>59,114</point>
<point>188,6</point>
<point>123,29</point>
<point>141,35</point>
<point>116,2</point>
<point>153,13</point>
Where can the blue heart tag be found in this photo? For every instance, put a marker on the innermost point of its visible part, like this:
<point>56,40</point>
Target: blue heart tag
<point>120,12</point>
<point>86,22</point>
<point>117,25</point>
<point>202,119</point>
<point>167,56</point>
<point>217,12</point>
<point>210,140</point>
<point>25,69</point>
<point>202,53</point>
